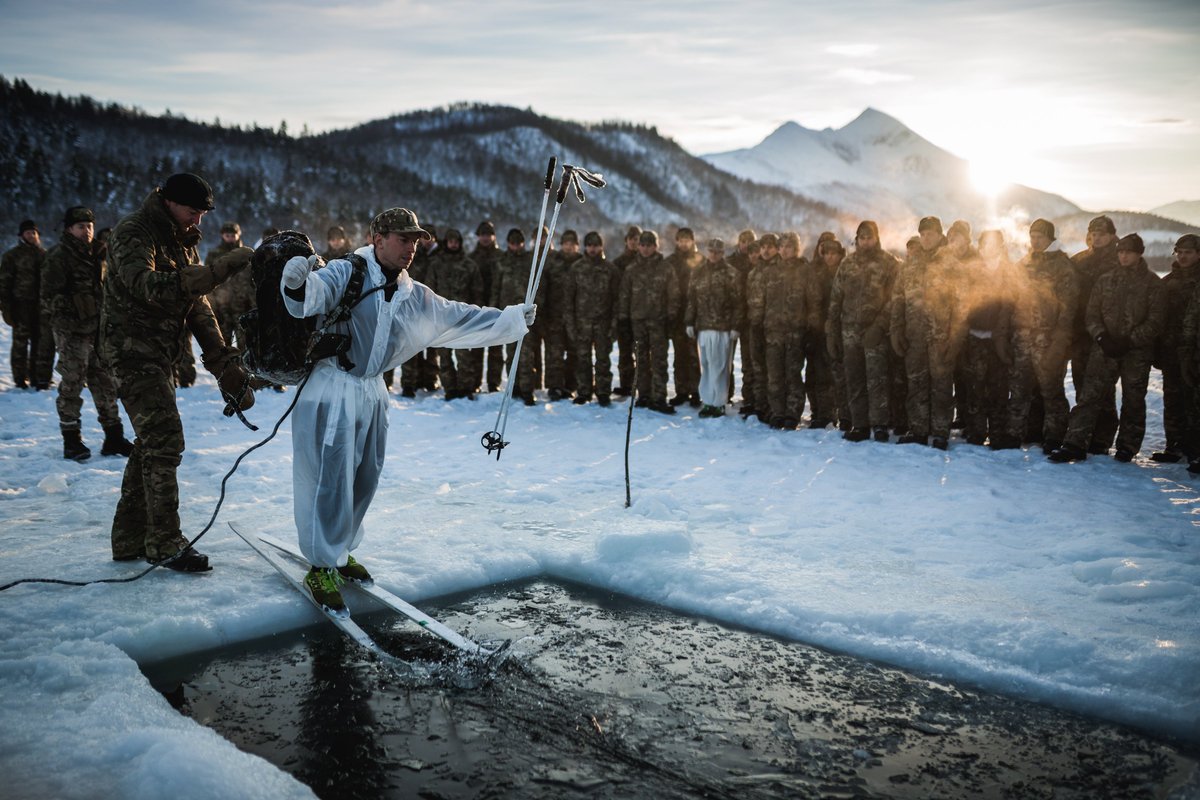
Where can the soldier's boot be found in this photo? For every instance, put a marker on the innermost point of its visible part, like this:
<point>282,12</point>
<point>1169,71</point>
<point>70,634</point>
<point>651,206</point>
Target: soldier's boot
<point>1067,453</point>
<point>115,443</point>
<point>603,400</point>
<point>187,560</point>
<point>881,434</point>
<point>939,443</point>
<point>73,446</point>
<point>857,434</point>
<point>913,438</point>
<point>1171,455</point>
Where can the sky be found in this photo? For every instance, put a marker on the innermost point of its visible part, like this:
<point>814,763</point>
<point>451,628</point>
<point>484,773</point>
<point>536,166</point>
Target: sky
<point>1074,585</point>
<point>1098,101</point>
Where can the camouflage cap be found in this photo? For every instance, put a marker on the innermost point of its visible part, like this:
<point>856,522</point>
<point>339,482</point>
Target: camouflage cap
<point>960,227</point>
<point>593,238</point>
<point>1101,224</point>
<point>486,228</point>
<point>1189,241</point>
<point>716,245</point>
<point>26,225</point>
<point>189,190</point>
<point>1132,243</point>
<point>231,227</point>
<point>398,220</point>
<point>633,232</point>
<point>1042,226</point>
<point>929,224</point>
<point>569,236</point>
<point>77,214</point>
<point>648,237</point>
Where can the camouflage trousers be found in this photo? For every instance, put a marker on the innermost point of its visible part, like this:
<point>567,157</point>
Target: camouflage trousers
<point>819,384</point>
<point>626,366</point>
<point>650,343</point>
<point>985,380</point>
<point>1038,369</point>
<point>785,375</point>
<point>685,363</point>
<point>79,366</point>
<point>32,353</point>
<point>529,367</point>
<point>755,355</point>
<point>593,375</point>
<point>146,522</point>
<point>867,381</point>
<point>1177,400</point>
<point>459,370</point>
<point>560,357</point>
<point>1106,422</point>
<point>185,367</point>
<point>1133,370</point>
<point>918,401</point>
<point>495,365</point>
<point>420,371</point>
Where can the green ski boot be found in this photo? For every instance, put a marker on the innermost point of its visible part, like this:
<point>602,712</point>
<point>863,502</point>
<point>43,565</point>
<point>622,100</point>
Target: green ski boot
<point>354,571</point>
<point>323,583</point>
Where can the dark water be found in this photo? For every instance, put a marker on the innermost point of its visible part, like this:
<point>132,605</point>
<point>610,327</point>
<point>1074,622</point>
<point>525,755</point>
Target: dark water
<point>606,697</point>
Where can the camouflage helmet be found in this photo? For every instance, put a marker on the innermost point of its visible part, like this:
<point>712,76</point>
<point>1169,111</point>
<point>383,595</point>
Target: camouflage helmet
<point>398,220</point>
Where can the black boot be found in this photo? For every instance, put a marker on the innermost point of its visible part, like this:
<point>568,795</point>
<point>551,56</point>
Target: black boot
<point>115,443</point>
<point>73,446</point>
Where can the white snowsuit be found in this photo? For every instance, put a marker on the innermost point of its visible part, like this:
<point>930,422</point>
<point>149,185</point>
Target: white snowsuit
<point>340,423</point>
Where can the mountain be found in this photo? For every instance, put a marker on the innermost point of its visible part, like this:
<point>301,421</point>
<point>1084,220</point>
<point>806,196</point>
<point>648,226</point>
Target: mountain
<point>877,166</point>
<point>454,166</point>
<point>1187,211</point>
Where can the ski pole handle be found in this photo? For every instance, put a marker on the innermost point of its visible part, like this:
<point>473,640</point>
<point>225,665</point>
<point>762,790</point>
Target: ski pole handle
<point>550,172</point>
<point>563,186</point>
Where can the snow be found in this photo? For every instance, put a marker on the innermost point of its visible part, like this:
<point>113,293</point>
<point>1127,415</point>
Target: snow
<point>1074,585</point>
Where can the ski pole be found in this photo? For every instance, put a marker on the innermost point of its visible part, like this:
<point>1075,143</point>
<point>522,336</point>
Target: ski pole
<point>628,431</point>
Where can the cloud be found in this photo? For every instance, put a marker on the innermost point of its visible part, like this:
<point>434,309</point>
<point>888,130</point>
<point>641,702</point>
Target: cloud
<point>852,50</point>
<point>1165,121</point>
<point>871,77</point>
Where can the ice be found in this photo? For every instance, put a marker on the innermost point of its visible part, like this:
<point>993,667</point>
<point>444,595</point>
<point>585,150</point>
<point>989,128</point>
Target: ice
<point>1075,585</point>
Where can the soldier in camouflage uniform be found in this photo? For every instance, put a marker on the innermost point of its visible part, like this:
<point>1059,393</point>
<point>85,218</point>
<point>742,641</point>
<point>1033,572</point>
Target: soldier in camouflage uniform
<point>626,368</point>
<point>857,331</point>
<point>909,329</point>
<point>591,316</point>
<point>485,255</point>
<point>510,282</point>
<point>20,301</point>
<point>945,334</point>
<point>712,318</point>
<point>1179,285</point>
<point>686,363</point>
<point>235,296</point>
<point>1125,315</point>
<point>154,298</point>
<point>781,304</point>
<point>337,244</point>
<point>71,289</point>
<point>1044,318</point>
<point>421,371</point>
<point>1098,259</point>
<point>740,261</point>
<point>649,291</point>
<point>825,380</point>
<point>454,276</point>
<point>989,301</point>
<point>555,318</point>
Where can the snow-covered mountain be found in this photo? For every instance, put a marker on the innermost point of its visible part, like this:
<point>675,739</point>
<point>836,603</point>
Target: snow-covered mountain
<point>1187,211</point>
<point>876,166</point>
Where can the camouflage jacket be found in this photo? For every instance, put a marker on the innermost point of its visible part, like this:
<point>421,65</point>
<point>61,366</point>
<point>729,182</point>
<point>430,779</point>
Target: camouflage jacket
<point>1090,264</point>
<point>908,300</point>
<point>72,286</point>
<point>649,291</point>
<point>714,298</point>
<point>989,297</point>
<point>783,301</point>
<point>1049,303</point>
<point>859,302</point>
<point>418,270</point>
<point>592,296</point>
<point>1178,287</point>
<point>485,258</point>
<point>236,295</point>
<point>510,281</point>
<point>455,276</point>
<point>684,264</point>
<point>1127,302</point>
<point>147,314</point>
<point>821,277</point>
<point>20,283</point>
<point>557,279</point>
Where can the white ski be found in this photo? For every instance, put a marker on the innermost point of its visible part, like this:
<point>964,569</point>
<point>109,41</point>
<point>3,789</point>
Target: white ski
<point>342,621</point>
<point>396,604</point>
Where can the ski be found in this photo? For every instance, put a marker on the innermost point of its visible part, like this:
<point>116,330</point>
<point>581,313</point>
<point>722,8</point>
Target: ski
<point>398,605</point>
<point>343,621</point>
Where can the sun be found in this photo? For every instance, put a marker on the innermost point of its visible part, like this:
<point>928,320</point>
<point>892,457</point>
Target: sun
<point>991,174</point>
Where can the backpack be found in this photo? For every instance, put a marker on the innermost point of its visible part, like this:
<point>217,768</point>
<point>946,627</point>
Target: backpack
<point>278,347</point>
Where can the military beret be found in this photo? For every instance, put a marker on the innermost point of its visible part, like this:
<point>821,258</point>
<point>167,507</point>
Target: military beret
<point>1042,226</point>
<point>960,227</point>
<point>569,236</point>
<point>648,237</point>
<point>189,190</point>
<point>77,214</point>
<point>26,225</point>
<point>1189,241</point>
<point>929,224</point>
<point>1133,243</point>
<point>1102,224</point>
<point>868,226</point>
<point>515,235</point>
<point>398,220</point>
<point>486,228</point>
<point>633,232</point>
<point>716,245</point>
<point>593,237</point>
<point>231,227</point>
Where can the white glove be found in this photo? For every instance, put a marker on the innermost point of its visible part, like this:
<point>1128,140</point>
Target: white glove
<point>690,331</point>
<point>295,271</point>
<point>530,310</point>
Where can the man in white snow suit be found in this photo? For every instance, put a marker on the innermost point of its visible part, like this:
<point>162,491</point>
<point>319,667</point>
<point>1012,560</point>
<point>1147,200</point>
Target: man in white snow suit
<point>340,420</point>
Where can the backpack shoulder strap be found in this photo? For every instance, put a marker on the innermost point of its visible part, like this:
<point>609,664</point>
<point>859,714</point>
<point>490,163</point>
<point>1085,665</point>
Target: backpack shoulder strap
<point>350,298</point>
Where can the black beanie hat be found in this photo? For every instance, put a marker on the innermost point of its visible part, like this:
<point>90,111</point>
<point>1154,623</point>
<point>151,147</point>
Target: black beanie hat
<point>189,190</point>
